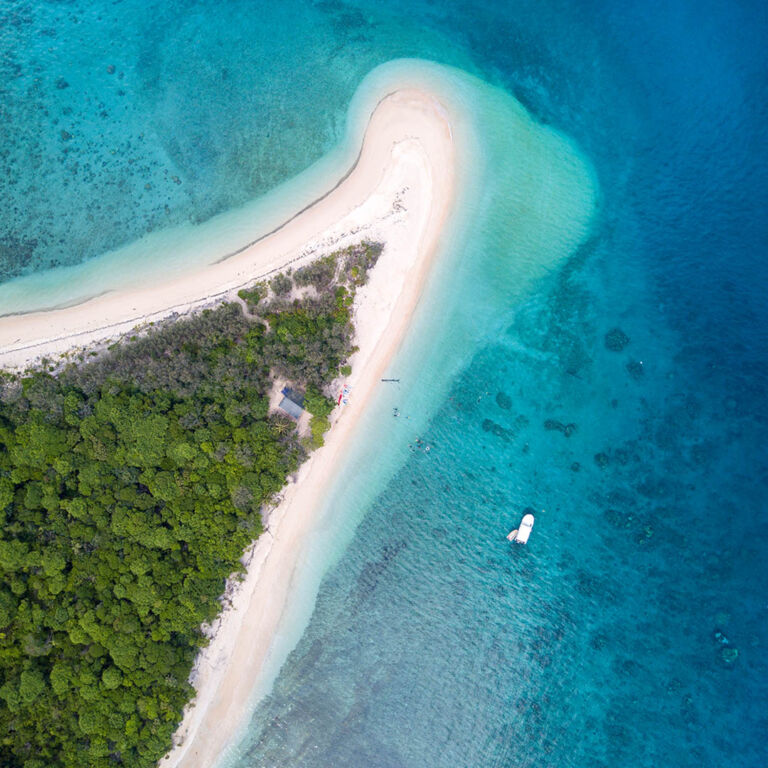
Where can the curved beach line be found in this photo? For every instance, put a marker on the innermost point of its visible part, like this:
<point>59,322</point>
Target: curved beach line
<point>407,159</point>
<point>399,191</point>
<point>27,337</point>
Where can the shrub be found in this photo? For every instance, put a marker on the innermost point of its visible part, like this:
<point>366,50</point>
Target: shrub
<point>319,273</point>
<point>253,295</point>
<point>281,284</point>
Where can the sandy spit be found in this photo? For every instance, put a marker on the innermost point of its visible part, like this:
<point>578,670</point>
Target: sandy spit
<point>399,192</point>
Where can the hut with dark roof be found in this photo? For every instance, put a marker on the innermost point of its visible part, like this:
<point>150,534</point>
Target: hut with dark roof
<point>292,403</point>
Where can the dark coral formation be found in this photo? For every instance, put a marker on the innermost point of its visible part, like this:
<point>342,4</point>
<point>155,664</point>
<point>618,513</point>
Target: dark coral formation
<point>635,369</point>
<point>491,426</point>
<point>616,340</point>
<point>557,426</point>
<point>504,401</point>
<point>602,460</point>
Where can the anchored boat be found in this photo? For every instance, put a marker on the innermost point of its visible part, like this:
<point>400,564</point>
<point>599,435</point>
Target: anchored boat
<point>520,535</point>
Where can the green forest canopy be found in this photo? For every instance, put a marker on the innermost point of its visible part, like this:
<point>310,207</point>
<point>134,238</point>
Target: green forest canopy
<point>130,486</point>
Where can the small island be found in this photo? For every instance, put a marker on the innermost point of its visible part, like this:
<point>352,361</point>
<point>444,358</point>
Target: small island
<point>166,445</point>
<point>132,480</point>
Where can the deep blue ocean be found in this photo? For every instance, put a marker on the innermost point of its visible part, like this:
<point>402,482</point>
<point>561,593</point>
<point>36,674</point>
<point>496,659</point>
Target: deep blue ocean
<point>625,400</point>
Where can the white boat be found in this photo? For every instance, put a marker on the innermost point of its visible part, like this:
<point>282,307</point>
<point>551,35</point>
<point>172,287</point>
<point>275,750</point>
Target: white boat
<point>520,535</point>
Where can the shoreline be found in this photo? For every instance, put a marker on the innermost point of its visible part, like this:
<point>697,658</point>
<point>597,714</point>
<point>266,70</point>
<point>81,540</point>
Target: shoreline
<point>399,192</point>
<point>330,222</point>
<point>418,169</point>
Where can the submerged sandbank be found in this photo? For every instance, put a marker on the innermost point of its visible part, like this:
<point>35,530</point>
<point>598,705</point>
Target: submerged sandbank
<point>515,185</point>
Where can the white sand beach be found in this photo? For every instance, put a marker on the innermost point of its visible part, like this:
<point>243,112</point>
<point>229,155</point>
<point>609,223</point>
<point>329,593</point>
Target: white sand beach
<point>407,128</point>
<point>399,192</point>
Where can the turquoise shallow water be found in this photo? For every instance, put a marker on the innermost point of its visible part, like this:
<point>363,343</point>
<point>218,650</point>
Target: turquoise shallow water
<point>431,642</point>
<point>526,200</point>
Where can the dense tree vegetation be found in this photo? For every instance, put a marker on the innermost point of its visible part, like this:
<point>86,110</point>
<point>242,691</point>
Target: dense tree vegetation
<point>129,487</point>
